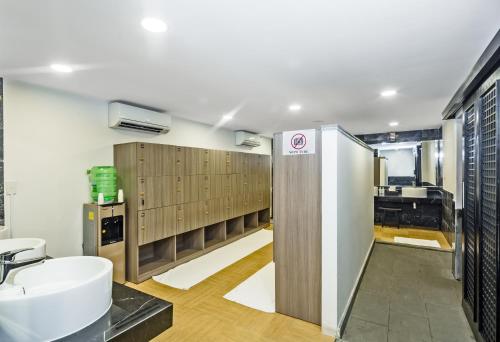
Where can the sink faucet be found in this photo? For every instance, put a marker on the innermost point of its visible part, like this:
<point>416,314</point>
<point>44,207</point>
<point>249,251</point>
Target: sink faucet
<point>8,262</point>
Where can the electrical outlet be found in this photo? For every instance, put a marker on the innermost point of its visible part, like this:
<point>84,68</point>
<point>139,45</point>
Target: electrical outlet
<point>10,188</point>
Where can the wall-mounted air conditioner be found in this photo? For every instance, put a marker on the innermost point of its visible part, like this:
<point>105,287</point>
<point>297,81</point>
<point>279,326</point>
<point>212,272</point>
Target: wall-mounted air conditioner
<point>124,116</point>
<point>247,139</point>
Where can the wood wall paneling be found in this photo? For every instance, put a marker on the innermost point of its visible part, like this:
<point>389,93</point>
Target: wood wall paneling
<point>297,231</point>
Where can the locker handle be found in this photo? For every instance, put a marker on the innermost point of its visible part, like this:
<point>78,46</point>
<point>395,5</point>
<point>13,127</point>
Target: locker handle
<point>142,201</point>
<point>142,227</point>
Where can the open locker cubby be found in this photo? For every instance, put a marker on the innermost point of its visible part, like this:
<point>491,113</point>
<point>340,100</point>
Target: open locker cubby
<point>251,221</point>
<point>215,233</point>
<point>156,254</point>
<point>264,217</point>
<point>234,227</point>
<point>189,243</point>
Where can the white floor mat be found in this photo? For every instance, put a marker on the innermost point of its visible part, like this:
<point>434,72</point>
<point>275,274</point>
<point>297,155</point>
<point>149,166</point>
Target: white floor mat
<point>417,242</point>
<point>191,273</point>
<point>257,292</point>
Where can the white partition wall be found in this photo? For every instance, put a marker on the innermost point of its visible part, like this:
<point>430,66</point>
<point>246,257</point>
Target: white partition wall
<point>323,222</point>
<point>347,222</point>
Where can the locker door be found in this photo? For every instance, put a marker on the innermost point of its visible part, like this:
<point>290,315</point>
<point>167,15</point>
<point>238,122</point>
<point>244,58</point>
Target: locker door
<point>488,245</point>
<point>180,161</point>
<point>149,160</point>
<point>169,224</point>
<point>169,191</point>
<point>179,189</point>
<point>204,161</point>
<point>191,157</point>
<point>228,162</point>
<point>204,187</point>
<point>168,160</point>
<point>147,225</point>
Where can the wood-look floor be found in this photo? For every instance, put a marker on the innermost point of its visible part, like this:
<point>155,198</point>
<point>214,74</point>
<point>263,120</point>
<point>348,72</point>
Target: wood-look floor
<point>202,314</point>
<point>387,234</point>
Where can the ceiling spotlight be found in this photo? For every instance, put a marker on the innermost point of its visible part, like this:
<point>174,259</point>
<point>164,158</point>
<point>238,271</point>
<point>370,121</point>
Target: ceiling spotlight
<point>294,107</point>
<point>393,123</point>
<point>388,93</point>
<point>61,68</point>
<point>154,25</point>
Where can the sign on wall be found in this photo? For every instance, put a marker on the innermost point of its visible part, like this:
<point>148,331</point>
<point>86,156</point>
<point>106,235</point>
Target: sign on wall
<point>299,142</point>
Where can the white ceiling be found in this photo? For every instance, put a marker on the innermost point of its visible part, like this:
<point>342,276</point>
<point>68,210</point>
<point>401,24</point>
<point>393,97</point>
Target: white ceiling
<point>333,57</point>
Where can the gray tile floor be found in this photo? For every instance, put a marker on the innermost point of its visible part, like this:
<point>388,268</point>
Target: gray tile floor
<point>408,294</point>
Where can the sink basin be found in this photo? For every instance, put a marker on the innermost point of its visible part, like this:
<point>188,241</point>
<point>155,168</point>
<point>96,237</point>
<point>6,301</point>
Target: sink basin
<point>54,299</point>
<point>414,192</point>
<point>38,246</point>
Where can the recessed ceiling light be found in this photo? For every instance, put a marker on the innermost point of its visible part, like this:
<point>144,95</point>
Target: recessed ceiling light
<point>227,117</point>
<point>294,107</point>
<point>61,68</point>
<point>388,93</point>
<point>154,25</point>
<point>393,123</point>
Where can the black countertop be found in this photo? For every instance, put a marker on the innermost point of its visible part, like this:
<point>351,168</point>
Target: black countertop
<point>133,316</point>
<point>432,198</point>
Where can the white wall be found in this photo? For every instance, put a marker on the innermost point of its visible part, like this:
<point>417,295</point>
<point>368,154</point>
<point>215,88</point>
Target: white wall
<point>347,222</point>
<point>400,162</point>
<point>451,135</point>
<point>52,138</point>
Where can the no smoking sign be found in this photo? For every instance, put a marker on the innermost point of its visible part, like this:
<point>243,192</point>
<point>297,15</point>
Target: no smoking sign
<point>299,142</point>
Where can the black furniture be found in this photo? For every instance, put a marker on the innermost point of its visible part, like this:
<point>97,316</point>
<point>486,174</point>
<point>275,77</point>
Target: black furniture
<point>396,212</point>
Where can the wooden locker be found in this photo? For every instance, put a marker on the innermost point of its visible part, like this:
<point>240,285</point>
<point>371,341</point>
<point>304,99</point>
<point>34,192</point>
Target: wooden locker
<point>179,189</point>
<point>149,160</point>
<point>153,192</point>
<point>228,208</point>
<point>245,160</point>
<point>228,162</point>
<point>215,186</point>
<point>169,191</point>
<point>204,212</point>
<point>220,162</point>
<point>236,162</point>
<point>180,161</point>
<point>204,161</point>
<point>168,160</point>
<point>204,187</point>
<point>226,185</point>
<point>266,199</point>
<point>141,193</point>
<point>193,188</point>
<point>213,159</point>
<point>179,216</point>
<point>245,189</point>
<point>216,210</point>
<point>146,225</point>
<point>192,162</point>
<point>169,223</point>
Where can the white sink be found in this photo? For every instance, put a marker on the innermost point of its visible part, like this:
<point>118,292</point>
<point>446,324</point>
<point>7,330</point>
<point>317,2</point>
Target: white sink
<point>38,246</point>
<point>413,192</point>
<point>54,299</point>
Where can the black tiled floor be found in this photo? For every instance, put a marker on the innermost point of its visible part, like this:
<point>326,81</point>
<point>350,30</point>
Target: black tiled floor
<point>408,294</point>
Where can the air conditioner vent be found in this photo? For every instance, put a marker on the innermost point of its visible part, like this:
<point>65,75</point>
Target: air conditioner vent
<point>139,127</point>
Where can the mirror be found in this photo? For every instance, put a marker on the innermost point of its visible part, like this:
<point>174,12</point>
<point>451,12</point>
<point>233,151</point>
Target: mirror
<point>412,163</point>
